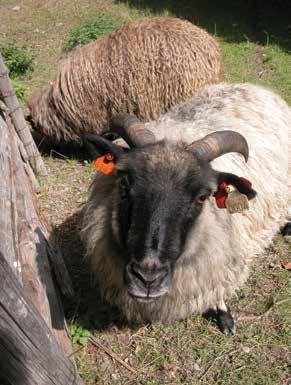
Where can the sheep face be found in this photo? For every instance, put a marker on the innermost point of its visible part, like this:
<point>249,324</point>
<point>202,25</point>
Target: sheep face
<point>162,191</point>
<point>159,192</point>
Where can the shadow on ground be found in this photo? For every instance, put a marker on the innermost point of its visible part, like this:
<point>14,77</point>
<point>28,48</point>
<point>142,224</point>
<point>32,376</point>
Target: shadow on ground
<point>233,20</point>
<point>62,150</point>
<point>86,307</point>
<point>78,150</point>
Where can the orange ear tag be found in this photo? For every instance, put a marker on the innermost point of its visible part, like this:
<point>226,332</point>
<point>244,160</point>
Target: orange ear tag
<point>104,164</point>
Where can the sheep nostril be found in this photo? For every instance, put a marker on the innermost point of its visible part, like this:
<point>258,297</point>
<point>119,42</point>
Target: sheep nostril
<point>137,274</point>
<point>147,276</point>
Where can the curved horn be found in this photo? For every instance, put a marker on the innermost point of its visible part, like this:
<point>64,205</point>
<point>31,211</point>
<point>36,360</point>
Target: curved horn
<point>219,143</point>
<point>132,130</point>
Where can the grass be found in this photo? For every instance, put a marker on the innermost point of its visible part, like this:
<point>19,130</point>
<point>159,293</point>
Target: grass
<point>188,352</point>
<point>79,335</point>
<point>102,24</point>
<point>191,352</point>
<point>20,90</point>
<point>19,61</point>
<point>265,65</point>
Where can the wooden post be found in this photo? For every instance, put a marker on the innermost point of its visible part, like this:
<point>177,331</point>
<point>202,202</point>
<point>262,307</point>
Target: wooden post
<point>24,238</point>
<point>33,337</point>
<point>11,101</point>
<point>29,353</point>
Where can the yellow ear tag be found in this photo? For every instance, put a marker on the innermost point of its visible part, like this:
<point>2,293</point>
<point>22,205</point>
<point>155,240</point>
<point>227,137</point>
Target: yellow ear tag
<point>104,164</point>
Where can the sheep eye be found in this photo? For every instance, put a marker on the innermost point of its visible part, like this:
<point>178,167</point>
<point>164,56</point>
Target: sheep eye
<point>200,199</point>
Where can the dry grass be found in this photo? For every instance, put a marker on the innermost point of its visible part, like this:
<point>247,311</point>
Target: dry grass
<point>44,26</point>
<point>193,351</point>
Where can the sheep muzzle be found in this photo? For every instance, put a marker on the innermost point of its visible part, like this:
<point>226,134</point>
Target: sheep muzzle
<point>148,280</point>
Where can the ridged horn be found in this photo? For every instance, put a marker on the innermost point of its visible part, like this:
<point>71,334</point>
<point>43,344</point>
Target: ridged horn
<point>219,143</point>
<point>132,130</point>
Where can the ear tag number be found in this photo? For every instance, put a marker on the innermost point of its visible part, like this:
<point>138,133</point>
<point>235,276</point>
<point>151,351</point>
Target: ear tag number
<point>104,164</point>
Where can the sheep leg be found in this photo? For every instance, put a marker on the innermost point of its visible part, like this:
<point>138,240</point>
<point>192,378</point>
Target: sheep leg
<point>286,231</point>
<point>225,319</point>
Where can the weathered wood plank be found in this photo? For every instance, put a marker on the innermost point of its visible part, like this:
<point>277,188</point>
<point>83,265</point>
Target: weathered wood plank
<point>29,353</point>
<point>24,237</point>
<point>35,261</point>
<point>8,211</point>
<point>11,101</point>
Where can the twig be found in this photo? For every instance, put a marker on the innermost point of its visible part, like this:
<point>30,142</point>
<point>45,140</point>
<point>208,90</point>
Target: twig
<point>112,354</point>
<point>76,307</point>
<point>230,353</point>
<point>253,317</point>
<point>239,368</point>
<point>40,143</point>
<point>209,367</point>
<point>58,153</point>
<point>283,301</point>
<point>76,351</point>
<point>248,317</point>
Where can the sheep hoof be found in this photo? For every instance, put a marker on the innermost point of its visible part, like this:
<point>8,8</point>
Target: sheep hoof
<point>225,322</point>
<point>286,232</point>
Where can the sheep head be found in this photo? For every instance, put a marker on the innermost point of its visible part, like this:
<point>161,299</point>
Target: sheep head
<point>162,190</point>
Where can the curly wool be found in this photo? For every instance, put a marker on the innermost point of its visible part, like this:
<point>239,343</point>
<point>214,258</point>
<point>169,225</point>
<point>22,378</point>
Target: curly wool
<point>143,68</point>
<point>220,248</point>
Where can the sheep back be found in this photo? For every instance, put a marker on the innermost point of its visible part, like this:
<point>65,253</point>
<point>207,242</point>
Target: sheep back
<point>142,68</point>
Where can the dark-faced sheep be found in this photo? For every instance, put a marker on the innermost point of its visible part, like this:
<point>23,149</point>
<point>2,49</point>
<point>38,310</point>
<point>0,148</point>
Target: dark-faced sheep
<point>143,68</point>
<point>160,246</point>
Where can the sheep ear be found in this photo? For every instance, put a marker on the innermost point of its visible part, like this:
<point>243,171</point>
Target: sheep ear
<point>243,185</point>
<point>96,146</point>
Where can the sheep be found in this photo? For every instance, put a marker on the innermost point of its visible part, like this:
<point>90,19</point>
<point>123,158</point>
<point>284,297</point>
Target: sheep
<point>142,68</point>
<point>156,240</point>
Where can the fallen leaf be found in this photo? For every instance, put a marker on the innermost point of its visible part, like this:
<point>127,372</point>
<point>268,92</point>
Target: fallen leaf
<point>286,265</point>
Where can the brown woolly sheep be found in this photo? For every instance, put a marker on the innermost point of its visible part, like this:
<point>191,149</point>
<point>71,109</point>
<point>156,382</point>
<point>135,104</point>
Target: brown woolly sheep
<point>142,68</point>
